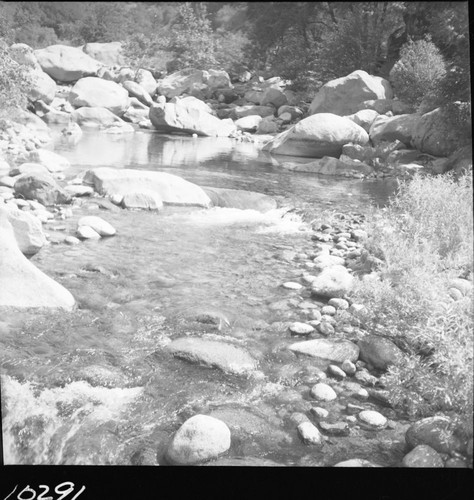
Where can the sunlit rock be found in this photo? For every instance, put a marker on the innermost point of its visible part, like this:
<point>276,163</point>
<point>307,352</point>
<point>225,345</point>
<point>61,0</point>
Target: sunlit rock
<point>170,188</point>
<point>199,439</point>
<point>22,284</point>
<point>66,64</point>
<point>343,96</point>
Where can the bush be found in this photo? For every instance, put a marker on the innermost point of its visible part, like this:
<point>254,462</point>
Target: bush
<point>424,238</point>
<point>419,71</point>
<point>14,82</point>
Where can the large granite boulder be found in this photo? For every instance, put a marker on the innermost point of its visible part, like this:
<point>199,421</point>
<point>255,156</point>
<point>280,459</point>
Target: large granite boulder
<point>389,129</point>
<point>136,90</point>
<point>218,79</point>
<point>34,124</point>
<point>213,354</point>
<point>435,135</point>
<point>42,188</point>
<point>364,118</point>
<point>95,92</point>
<point>23,284</point>
<point>436,432</point>
<point>198,440</point>
<point>187,81</point>
<point>170,188</point>
<point>178,117</point>
<point>95,117</point>
<point>190,102</point>
<point>66,64</point>
<point>146,80</point>
<point>274,96</point>
<point>49,159</point>
<point>28,231</point>
<point>251,110</point>
<point>109,53</point>
<point>319,135</point>
<point>343,96</point>
<point>43,87</point>
<point>237,198</point>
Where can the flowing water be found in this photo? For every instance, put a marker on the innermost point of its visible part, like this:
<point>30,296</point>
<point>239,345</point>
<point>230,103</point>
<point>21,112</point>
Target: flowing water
<point>94,386</point>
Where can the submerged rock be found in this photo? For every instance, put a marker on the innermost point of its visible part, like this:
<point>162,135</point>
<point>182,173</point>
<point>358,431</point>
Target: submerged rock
<point>435,432</point>
<point>22,284</point>
<point>423,456</point>
<point>99,225</point>
<point>333,350</point>
<point>238,198</point>
<point>199,439</point>
<point>215,354</point>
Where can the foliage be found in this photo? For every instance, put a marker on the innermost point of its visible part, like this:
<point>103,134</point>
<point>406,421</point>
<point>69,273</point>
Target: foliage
<point>424,239</point>
<point>191,40</point>
<point>14,82</point>
<point>418,72</point>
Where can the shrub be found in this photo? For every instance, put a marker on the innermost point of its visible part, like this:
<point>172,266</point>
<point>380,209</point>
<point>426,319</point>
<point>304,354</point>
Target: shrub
<point>419,71</point>
<point>14,82</point>
<point>423,239</point>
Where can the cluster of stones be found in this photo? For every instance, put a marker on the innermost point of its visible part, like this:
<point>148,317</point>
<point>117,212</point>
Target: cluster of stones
<point>90,87</point>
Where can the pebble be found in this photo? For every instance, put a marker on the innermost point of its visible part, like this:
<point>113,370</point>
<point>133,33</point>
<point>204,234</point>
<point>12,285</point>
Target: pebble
<point>358,310</point>
<point>359,234</point>
<point>338,303</point>
<point>323,392</point>
<point>87,233</point>
<point>291,285</point>
<point>298,418</point>
<point>325,328</point>
<point>372,418</point>
<point>352,409</point>
<point>348,367</point>
<point>455,463</point>
<point>365,377</point>
<point>315,315</point>
<point>356,462</point>
<point>455,294</point>
<point>301,329</point>
<point>336,371</point>
<point>337,429</point>
<point>329,310</point>
<point>309,433</point>
<point>319,412</point>
<point>306,304</point>
<point>328,319</point>
<point>71,240</point>
<point>99,225</point>
<point>351,419</point>
<point>362,395</point>
<point>308,278</point>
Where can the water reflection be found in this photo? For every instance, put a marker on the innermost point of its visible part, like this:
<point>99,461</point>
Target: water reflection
<point>217,162</point>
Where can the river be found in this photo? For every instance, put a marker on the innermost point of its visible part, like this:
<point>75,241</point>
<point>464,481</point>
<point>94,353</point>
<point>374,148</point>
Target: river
<point>93,386</point>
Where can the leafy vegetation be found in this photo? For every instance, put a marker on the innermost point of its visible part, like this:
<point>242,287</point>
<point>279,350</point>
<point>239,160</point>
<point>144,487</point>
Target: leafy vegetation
<point>418,72</point>
<point>424,240</point>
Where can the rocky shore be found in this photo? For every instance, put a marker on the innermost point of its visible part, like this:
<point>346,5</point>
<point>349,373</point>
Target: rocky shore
<point>334,403</point>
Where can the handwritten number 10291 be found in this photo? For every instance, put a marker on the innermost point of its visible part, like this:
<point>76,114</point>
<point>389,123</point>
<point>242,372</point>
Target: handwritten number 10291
<point>28,493</point>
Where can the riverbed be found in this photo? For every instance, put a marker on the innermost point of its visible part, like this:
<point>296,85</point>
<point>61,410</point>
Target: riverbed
<point>94,386</point>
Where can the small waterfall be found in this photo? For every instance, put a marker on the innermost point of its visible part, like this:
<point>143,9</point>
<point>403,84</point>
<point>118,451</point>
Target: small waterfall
<point>39,423</point>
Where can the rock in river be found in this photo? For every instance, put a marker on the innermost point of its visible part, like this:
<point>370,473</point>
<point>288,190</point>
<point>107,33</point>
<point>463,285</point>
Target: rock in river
<point>28,231</point>
<point>170,188</point>
<point>379,351</point>
<point>42,188</point>
<point>238,198</point>
<point>199,439</point>
<point>212,353</point>
<point>23,284</point>
<point>316,136</point>
<point>423,456</point>
<point>334,350</point>
<point>99,225</point>
<point>334,281</point>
